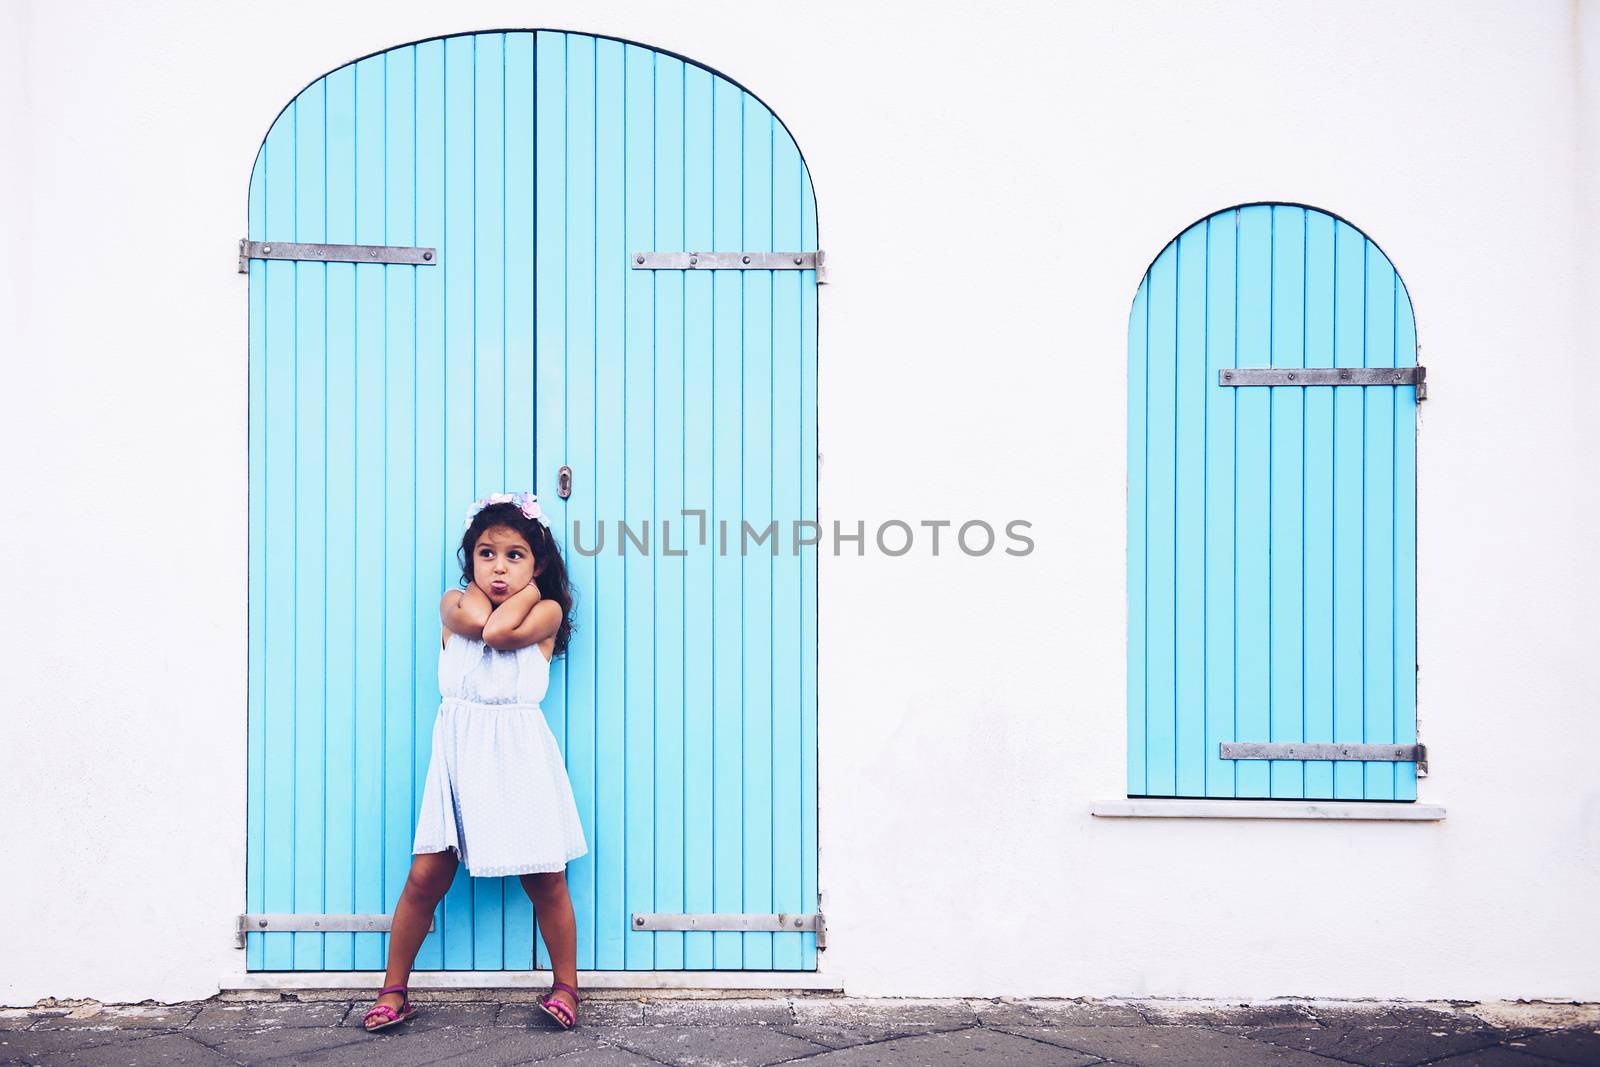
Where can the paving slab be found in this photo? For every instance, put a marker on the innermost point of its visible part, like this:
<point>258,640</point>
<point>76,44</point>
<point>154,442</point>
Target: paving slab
<point>219,1015</point>
<point>488,1046</point>
<point>130,1048</point>
<point>591,1013</point>
<point>974,1045</point>
<point>1169,1046</point>
<point>279,1042</point>
<point>841,1023</point>
<point>45,1046</point>
<point>1568,1046</point>
<point>1498,1056</point>
<point>1381,1046</point>
<point>713,1046</point>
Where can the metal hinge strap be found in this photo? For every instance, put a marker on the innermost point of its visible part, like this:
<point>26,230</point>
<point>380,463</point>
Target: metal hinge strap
<point>730,261</point>
<point>249,250</point>
<point>1318,750</point>
<point>323,924</point>
<point>1416,376</point>
<point>781,922</point>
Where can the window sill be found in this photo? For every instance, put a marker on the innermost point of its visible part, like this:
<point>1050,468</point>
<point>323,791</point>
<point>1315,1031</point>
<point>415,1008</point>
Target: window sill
<point>1162,808</point>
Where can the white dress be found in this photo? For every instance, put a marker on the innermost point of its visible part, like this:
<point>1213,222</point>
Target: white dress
<point>497,790</point>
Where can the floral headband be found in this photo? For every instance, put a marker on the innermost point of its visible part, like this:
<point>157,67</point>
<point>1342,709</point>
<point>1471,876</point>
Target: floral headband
<point>527,502</point>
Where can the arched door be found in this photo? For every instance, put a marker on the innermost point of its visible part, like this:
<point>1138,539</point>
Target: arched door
<point>385,396</point>
<point>1272,392</point>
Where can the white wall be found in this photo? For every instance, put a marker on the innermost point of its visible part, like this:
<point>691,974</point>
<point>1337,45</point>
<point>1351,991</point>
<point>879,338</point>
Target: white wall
<point>991,186</point>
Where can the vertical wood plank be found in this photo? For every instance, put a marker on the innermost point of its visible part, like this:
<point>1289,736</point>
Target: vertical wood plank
<point>1349,334</point>
<point>550,363</point>
<point>434,564</point>
<point>1138,544</point>
<point>1189,516</point>
<point>788,472</point>
<point>610,593</point>
<point>366,522</point>
<point>670,500</point>
<point>638,425</point>
<point>404,626</point>
<point>756,558</point>
<point>517,302</point>
<point>277,593</point>
<point>1319,489</point>
<point>349,773</point>
<point>1253,481</point>
<point>728,607</point>
<point>582,375</point>
<point>1379,527</point>
<point>1287,574</point>
<point>457,257</point>
<point>1405,546</point>
<point>491,400</point>
<point>699,535</point>
<point>1161,758</point>
<point>310,525</point>
<point>1222,244</point>
<point>809,571</point>
<point>370,527</point>
<point>255,818</point>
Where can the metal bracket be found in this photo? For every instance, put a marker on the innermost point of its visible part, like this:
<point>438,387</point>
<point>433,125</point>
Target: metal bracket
<point>1416,376</point>
<point>731,261</point>
<point>1318,750</point>
<point>779,923</point>
<point>322,924</point>
<point>249,250</point>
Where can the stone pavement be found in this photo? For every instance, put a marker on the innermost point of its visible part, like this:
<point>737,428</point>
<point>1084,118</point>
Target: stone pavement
<point>630,1029</point>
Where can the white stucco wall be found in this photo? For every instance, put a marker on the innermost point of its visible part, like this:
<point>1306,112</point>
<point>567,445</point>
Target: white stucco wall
<point>991,185</point>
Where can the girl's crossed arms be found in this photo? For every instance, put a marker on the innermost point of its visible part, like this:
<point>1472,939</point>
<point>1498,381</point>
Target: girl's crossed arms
<point>502,605</point>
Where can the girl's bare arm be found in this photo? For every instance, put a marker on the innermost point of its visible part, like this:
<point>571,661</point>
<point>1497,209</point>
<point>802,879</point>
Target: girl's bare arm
<point>523,619</point>
<point>466,612</point>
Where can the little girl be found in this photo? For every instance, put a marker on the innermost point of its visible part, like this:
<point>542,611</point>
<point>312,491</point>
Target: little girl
<point>497,796</point>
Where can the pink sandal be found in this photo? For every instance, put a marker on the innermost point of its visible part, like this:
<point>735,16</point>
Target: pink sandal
<point>383,1011</point>
<point>558,1010</point>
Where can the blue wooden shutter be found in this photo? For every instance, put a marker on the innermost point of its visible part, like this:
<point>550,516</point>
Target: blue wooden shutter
<point>384,399</point>
<point>1271,529</point>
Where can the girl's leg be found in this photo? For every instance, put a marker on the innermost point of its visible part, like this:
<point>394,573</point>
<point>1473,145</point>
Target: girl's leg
<point>429,880</point>
<point>553,908</point>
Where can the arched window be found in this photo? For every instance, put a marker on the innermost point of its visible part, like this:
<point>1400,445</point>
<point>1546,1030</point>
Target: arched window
<point>1272,514</point>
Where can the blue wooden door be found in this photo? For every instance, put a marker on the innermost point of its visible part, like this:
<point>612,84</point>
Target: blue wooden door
<point>385,398</point>
<point>1271,529</point>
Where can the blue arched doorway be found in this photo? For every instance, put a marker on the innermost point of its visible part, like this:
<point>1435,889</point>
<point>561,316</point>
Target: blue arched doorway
<point>505,337</point>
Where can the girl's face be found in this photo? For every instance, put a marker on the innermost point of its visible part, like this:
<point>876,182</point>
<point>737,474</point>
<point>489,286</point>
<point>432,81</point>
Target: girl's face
<point>502,564</point>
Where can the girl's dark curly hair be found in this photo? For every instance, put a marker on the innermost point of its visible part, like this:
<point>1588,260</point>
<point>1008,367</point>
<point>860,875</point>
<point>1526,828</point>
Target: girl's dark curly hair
<point>552,571</point>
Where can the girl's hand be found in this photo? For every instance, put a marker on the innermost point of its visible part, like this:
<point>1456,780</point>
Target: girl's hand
<point>476,600</point>
<point>466,612</point>
<point>522,619</point>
